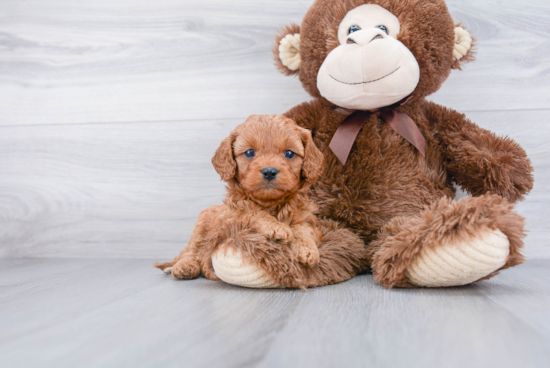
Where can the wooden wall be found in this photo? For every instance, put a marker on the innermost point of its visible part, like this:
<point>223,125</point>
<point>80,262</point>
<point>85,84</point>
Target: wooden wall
<point>110,111</point>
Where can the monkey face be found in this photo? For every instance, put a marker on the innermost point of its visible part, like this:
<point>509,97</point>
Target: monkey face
<point>369,54</point>
<point>370,68</point>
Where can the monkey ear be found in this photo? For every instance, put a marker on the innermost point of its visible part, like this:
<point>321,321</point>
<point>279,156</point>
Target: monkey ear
<point>223,159</point>
<point>286,50</point>
<point>312,168</point>
<point>463,51</point>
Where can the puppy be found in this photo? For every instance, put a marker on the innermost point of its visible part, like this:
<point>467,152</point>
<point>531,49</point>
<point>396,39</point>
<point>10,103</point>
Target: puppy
<point>269,163</point>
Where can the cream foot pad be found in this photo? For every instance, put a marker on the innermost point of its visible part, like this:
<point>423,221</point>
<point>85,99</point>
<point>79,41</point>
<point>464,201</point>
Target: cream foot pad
<point>460,263</point>
<point>236,269</point>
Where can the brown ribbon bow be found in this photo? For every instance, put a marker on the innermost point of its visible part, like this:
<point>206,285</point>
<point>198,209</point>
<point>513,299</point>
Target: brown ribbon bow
<point>345,135</point>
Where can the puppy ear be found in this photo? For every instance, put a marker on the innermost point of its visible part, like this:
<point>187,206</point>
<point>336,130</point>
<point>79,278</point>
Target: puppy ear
<point>463,51</point>
<point>312,168</point>
<point>286,50</point>
<point>223,159</point>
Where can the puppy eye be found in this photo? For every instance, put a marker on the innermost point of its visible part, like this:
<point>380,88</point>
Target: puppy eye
<point>353,29</point>
<point>289,154</point>
<point>250,153</point>
<point>383,28</point>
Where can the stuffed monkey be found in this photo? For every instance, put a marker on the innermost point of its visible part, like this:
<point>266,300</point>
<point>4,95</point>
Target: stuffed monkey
<point>391,156</point>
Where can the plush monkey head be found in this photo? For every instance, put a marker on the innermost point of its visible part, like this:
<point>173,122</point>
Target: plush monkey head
<point>368,54</point>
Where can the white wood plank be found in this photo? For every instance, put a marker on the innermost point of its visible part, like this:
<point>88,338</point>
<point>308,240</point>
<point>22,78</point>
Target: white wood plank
<point>76,61</point>
<point>512,70</point>
<point>135,190</point>
<point>128,190</point>
<point>67,61</point>
<point>124,313</point>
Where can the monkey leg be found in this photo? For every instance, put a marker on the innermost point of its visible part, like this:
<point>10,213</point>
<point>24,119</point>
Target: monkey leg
<point>251,260</point>
<point>342,255</point>
<point>449,244</point>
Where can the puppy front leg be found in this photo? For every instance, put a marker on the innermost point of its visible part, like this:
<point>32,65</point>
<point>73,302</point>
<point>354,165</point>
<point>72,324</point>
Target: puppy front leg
<point>271,228</point>
<point>305,244</point>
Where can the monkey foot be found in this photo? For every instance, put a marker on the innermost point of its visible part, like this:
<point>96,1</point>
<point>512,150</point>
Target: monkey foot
<point>459,263</point>
<point>235,268</point>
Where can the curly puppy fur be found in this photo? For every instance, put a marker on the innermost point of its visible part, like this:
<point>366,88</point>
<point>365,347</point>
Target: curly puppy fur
<point>396,200</point>
<point>271,220</point>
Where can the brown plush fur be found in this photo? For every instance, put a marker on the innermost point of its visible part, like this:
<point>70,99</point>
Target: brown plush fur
<point>445,221</point>
<point>272,222</point>
<point>395,199</point>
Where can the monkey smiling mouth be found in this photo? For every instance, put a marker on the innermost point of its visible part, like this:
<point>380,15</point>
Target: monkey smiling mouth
<point>374,80</point>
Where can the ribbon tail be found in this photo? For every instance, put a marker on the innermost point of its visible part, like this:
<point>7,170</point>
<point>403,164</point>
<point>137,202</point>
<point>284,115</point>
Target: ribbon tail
<point>406,127</point>
<point>345,135</point>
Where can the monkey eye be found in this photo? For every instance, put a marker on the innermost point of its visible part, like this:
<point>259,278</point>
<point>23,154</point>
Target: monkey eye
<point>383,28</point>
<point>250,153</point>
<point>354,29</point>
<point>289,154</point>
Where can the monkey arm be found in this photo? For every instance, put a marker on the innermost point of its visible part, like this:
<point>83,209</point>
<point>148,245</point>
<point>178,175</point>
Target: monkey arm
<point>478,159</point>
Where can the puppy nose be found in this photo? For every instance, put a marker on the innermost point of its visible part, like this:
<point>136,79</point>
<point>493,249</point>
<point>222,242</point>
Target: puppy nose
<point>269,173</point>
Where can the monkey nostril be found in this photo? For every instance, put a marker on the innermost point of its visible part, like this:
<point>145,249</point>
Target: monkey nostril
<point>378,36</point>
<point>269,173</point>
<point>350,41</point>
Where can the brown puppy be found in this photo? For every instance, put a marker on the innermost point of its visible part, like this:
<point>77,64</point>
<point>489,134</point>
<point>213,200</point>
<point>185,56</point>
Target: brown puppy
<point>269,164</point>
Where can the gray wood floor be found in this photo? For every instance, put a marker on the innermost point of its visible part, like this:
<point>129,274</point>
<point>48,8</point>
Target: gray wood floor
<point>109,113</point>
<point>124,313</point>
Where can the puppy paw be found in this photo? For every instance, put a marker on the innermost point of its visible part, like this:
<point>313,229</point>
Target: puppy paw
<point>308,254</point>
<point>280,233</point>
<point>184,270</point>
